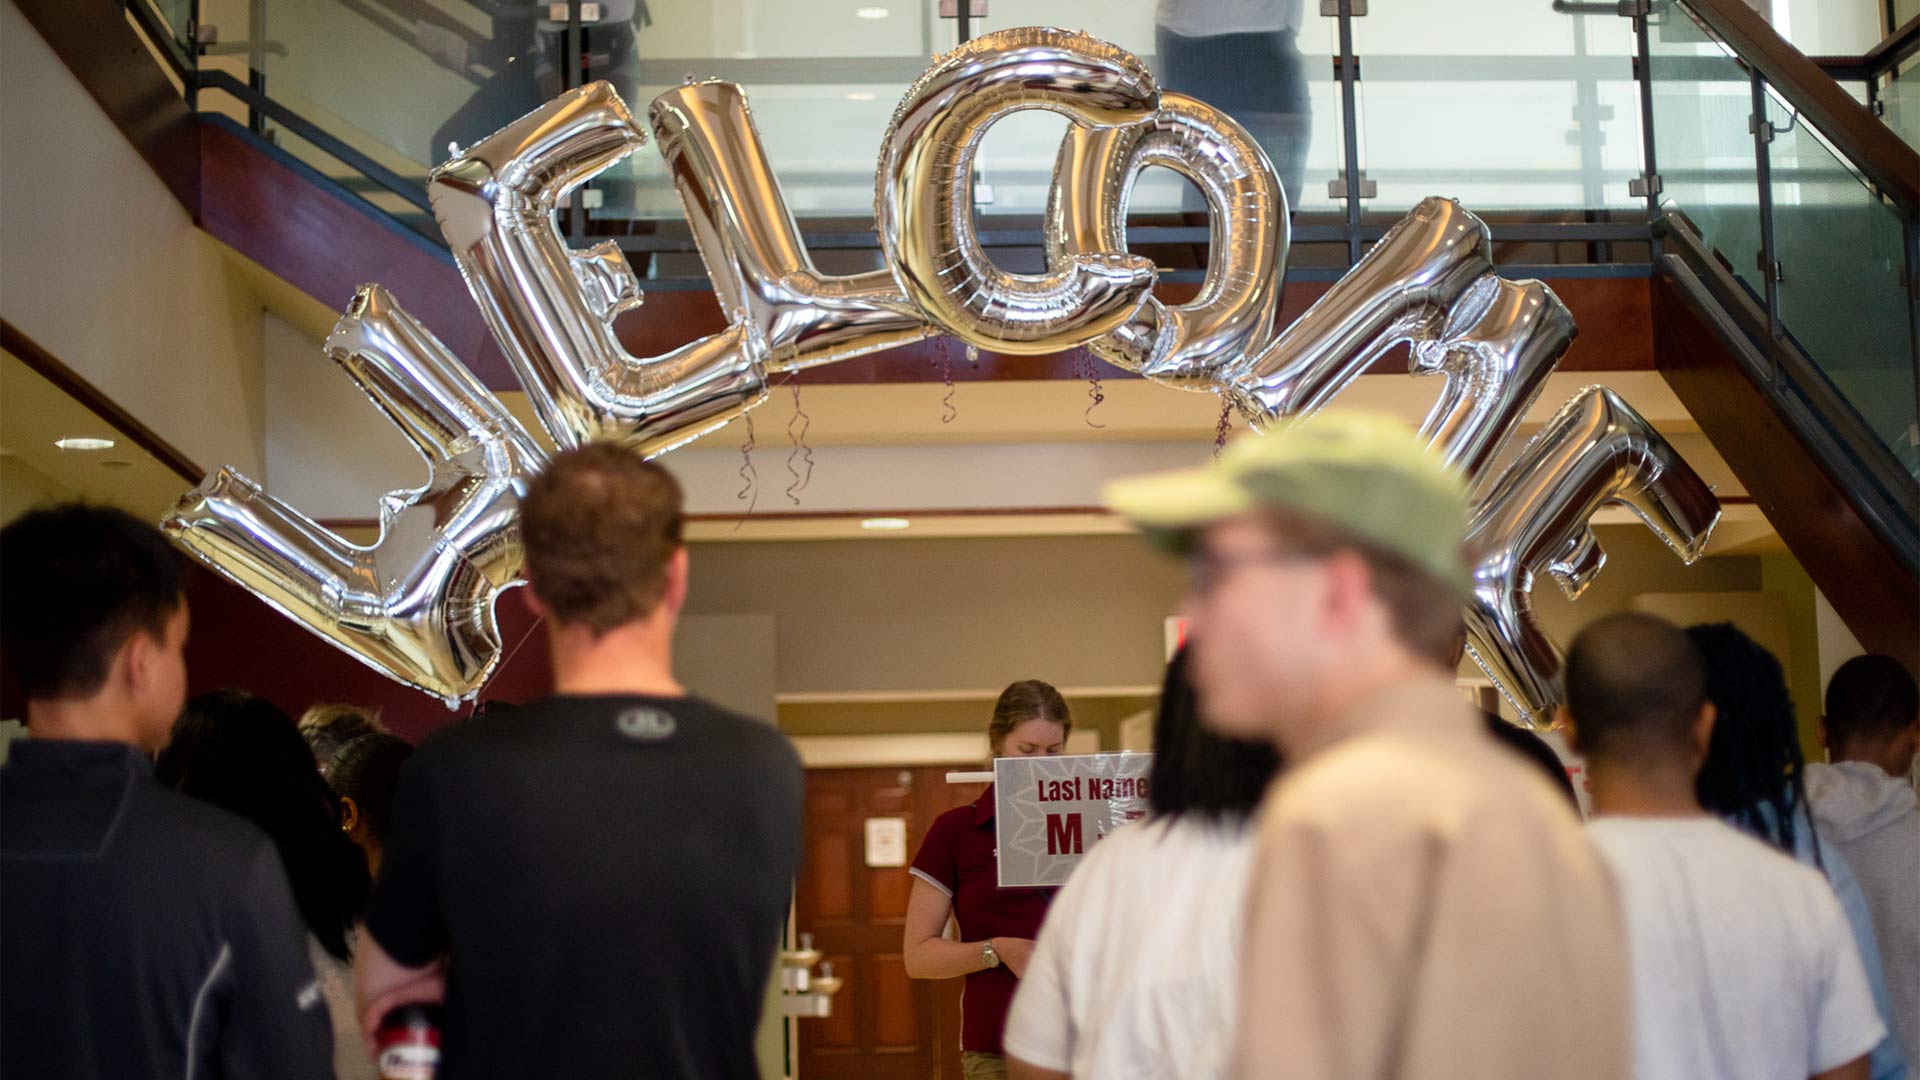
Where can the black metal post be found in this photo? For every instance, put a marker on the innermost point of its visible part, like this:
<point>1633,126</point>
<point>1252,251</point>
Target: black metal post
<point>963,20</point>
<point>1763,175</point>
<point>1350,123</point>
<point>1912,282</point>
<point>256,59</point>
<point>192,86</point>
<point>573,56</point>
<point>1650,174</point>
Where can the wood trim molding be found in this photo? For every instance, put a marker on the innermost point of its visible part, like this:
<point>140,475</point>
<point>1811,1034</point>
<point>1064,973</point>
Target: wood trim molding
<point>70,382</point>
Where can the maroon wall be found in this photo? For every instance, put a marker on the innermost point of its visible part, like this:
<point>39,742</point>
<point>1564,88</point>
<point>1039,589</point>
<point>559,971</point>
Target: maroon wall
<point>238,641</point>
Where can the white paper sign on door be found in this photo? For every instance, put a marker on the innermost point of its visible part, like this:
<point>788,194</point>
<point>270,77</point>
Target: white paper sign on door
<point>886,841</point>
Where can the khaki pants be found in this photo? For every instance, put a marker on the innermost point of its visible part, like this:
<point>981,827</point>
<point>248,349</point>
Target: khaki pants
<point>977,1066</point>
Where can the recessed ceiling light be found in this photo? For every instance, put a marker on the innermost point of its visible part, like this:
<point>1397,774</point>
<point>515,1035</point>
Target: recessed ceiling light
<point>885,524</point>
<point>871,13</point>
<point>83,442</point>
<point>859,95</point>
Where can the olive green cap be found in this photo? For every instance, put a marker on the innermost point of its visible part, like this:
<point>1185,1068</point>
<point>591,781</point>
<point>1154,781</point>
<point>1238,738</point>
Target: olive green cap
<point>1367,474</point>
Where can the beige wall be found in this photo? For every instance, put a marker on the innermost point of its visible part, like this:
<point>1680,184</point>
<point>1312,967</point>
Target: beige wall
<point>102,267</point>
<point>905,616</point>
<point>23,487</point>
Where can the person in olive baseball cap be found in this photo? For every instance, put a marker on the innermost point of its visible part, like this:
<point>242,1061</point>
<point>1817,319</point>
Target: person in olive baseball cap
<point>1423,904</point>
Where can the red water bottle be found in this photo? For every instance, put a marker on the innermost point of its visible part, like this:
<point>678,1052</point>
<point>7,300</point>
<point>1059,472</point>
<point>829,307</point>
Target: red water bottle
<point>407,1043</point>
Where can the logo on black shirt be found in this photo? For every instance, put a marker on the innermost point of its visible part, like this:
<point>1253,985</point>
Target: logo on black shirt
<point>651,725</point>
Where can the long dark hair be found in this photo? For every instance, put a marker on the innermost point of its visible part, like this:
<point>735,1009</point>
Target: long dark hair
<point>1755,774</point>
<point>238,751</point>
<point>1196,772</point>
<point>367,770</point>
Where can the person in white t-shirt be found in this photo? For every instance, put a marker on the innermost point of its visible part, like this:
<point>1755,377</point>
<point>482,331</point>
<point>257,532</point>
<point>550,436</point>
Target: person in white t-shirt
<point>1744,967</point>
<point>1136,972</point>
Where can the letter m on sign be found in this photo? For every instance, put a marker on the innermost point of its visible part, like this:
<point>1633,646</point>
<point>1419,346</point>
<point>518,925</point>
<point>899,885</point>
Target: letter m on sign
<point>1063,834</point>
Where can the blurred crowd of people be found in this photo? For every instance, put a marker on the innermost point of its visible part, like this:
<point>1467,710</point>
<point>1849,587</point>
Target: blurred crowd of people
<point>1349,870</point>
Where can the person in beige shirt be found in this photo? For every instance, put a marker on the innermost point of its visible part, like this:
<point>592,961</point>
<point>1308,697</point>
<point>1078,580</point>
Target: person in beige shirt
<point>1422,905</point>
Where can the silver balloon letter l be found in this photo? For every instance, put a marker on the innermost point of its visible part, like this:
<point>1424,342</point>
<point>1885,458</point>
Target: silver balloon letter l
<point>416,606</point>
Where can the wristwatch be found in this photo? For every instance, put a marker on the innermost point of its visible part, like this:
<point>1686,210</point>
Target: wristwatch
<point>986,953</point>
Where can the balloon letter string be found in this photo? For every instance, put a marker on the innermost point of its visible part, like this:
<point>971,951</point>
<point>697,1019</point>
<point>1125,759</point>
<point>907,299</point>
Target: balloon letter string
<point>749,476</point>
<point>1220,430</point>
<point>797,428</point>
<point>1086,367</point>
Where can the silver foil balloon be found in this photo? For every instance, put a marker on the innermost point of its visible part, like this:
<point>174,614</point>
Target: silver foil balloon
<point>760,269</point>
<point>552,309</point>
<point>1536,516</point>
<point>1181,345</point>
<point>1500,341</point>
<point>416,605</point>
<point>1401,291</point>
<point>923,202</point>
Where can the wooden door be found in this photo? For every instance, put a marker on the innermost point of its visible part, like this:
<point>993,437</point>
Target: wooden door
<point>884,1026</point>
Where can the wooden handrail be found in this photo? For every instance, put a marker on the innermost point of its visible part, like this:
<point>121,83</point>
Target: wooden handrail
<point>1889,163</point>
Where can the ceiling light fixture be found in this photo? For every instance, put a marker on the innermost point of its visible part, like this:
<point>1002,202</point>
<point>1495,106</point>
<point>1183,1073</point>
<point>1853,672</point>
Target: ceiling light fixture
<point>885,524</point>
<point>871,13</point>
<point>83,442</point>
<point>860,95</point>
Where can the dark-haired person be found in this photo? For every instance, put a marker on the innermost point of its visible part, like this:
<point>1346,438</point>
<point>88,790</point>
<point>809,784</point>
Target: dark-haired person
<point>956,878</point>
<point>365,773</point>
<point>327,728</point>
<point>142,933</point>
<point>1755,777</point>
<point>1423,904</point>
<point>596,880</point>
<point>1743,965</point>
<point>239,752</point>
<point>1866,808</point>
<point>1137,968</point>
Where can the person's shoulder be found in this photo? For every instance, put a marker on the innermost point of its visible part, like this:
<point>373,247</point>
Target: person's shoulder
<point>206,842</point>
<point>958,819</point>
<point>752,733</point>
<point>1386,776</point>
<point>1775,876</point>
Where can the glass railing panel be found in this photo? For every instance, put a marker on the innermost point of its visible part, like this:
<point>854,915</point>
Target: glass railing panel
<point>822,111</point>
<point>1841,290</point>
<point>1504,104</point>
<point>822,79</point>
<point>1900,102</point>
<point>1267,65</point>
<point>409,78</point>
<point>175,23</point>
<point>1703,148</point>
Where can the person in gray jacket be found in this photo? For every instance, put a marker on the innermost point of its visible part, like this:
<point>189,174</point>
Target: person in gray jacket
<point>1866,808</point>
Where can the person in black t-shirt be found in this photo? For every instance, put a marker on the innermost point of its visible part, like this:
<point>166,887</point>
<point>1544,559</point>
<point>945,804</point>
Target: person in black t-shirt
<point>142,933</point>
<point>594,883</point>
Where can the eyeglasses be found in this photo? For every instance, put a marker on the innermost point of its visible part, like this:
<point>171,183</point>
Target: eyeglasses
<point>1205,570</point>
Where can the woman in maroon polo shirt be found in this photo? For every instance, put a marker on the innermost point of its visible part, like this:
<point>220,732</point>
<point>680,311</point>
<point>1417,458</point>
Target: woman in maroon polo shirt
<point>955,876</point>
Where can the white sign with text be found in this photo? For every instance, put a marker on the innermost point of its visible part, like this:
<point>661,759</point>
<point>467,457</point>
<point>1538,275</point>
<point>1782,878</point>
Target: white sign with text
<point>1048,812</point>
